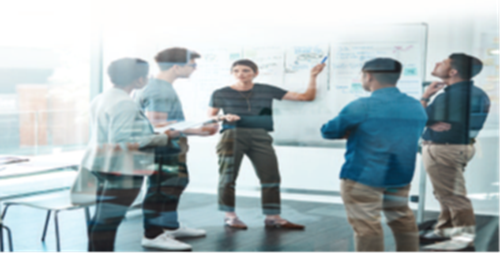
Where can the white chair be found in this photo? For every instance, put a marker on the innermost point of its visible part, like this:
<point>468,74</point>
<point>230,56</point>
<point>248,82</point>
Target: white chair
<point>76,198</point>
<point>82,195</point>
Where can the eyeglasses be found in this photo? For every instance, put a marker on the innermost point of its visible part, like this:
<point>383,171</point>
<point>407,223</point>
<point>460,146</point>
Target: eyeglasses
<point>193,65</point>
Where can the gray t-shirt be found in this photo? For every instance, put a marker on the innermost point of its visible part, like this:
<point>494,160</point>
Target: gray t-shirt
<point>254,106</point>
<point>160,96</point>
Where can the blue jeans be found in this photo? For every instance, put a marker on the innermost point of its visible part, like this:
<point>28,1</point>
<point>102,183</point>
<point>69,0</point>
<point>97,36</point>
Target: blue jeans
<point>165,187</point>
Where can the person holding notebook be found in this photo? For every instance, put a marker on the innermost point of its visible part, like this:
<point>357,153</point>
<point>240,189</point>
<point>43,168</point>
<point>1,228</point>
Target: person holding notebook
<point>162,106</point>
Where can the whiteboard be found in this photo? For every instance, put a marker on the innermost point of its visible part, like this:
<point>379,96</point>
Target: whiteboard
<point>299,123</point>
<point>212,72</point>
<point>270,62</point>
<point>285,61</point>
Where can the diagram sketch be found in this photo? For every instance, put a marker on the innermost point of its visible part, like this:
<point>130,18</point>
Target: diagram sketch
<point>303,57</point>
<point>347,61</point>
<point>270,61</point>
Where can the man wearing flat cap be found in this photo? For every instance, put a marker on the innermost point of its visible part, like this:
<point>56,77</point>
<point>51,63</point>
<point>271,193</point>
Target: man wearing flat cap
<point>382,133</point>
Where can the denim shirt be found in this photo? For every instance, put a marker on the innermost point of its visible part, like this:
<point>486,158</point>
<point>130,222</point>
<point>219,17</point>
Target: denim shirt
<point>383,132</point>
<point>451,107</point>
<point>117,121</point>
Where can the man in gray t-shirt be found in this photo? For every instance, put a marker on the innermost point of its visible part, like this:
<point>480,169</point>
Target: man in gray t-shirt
<point>160,97</point>
<point>162,105</point>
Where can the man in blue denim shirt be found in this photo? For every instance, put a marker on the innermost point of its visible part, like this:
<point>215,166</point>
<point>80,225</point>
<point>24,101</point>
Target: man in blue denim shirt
<point>382,134</point>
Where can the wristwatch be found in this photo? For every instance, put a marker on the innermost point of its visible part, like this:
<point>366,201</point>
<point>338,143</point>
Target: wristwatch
<point>425,99</point>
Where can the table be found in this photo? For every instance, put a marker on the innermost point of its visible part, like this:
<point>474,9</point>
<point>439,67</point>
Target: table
<point>39,175</point>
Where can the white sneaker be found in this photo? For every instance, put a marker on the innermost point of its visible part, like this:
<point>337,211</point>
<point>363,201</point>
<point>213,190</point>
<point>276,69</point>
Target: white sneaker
<point>164,242</point>
<point>184,232</point>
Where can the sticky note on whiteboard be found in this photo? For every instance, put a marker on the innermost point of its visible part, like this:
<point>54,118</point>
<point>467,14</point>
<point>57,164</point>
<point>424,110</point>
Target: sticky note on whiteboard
<point>356,87</point>
<point>234,56</point>
<point>410,72</point>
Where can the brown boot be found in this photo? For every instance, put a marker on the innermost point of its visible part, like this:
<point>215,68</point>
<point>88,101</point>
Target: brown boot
<point>282,223</point>
<point>234,223</point>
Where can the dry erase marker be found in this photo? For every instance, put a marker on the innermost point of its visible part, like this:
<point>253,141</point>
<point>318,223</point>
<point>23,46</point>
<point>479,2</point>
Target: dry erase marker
<point>323,62</point>
<point>324,59</point>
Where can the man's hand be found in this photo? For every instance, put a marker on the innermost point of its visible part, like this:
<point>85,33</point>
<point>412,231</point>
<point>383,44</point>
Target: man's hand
<point>172,134</point>
<point>440,127</point>
<point>231,117</point>
<point>210,129</point>
<point>432,89</point>
<point>133,146</point>
<point>317,69</point>
<point>105,148</point>
<point>206,130</point>
<point>165,123</point>
<point>346,136</point>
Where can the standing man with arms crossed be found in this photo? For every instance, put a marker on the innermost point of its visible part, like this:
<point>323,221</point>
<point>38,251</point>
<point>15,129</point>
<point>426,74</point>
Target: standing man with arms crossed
<point>455,118</point>
<point>382,134</point>
<point>161,105</point>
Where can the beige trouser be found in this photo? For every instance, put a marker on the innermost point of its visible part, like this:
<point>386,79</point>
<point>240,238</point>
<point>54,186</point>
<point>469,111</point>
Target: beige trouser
<point>445,164</point>
<point>363,205</point>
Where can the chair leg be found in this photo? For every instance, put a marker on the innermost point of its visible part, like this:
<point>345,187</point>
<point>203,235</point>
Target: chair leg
<point>46,225</point>
<point>87,220</point>
<point>58,245</point>
<point>5,211</point>
<point>9,235</point>
<point>1,237</point>
<point>2,226</point>
<point>87,216</point>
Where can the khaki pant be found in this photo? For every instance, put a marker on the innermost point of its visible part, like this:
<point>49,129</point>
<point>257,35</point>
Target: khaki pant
<point>256,144</point>
<point>363,205</point>
<point>445,165</point>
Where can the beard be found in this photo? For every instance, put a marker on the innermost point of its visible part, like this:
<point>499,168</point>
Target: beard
<point>366,88</point>
<point>440,75</point>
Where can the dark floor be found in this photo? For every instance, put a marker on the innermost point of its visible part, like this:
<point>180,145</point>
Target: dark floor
<point>327,228</point>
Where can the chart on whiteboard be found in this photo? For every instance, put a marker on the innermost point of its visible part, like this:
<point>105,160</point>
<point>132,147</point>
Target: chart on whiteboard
<point>270,61</point>
<point>348,59</point>
<point>298,64</point>
<point>300,59</point>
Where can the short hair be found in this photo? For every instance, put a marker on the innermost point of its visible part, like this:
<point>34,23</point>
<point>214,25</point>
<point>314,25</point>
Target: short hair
<point>174,56</point>
<point>384,70</point>
<point>467,66</point>
<point>125,71</point>
<point>246,62</point>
